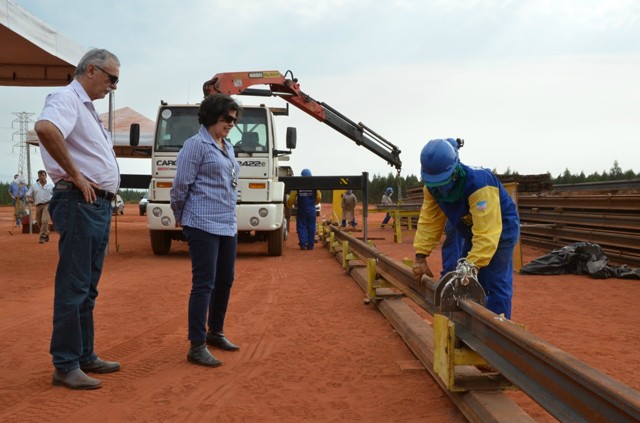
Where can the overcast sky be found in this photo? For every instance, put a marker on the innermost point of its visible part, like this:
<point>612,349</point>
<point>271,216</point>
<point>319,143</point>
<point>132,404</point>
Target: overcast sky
<point>532,86</point>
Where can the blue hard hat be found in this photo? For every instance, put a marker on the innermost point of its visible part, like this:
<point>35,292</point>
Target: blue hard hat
<point>305,172</point>
<point>389,189</point>
<point>438,159</point>
<point>453,142</point>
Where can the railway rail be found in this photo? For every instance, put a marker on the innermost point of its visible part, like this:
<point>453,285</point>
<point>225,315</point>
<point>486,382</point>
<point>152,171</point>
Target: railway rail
<point>567,388</point>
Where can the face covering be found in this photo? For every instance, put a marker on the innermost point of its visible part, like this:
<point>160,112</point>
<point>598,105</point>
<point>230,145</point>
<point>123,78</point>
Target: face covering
<point>454,190</point>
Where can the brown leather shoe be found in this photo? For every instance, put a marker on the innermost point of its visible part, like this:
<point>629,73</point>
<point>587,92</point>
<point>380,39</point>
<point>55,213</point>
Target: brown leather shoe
<point>218,340</point>
<point>74,379</point>
<point>199,354</point>
<point>100,366</point>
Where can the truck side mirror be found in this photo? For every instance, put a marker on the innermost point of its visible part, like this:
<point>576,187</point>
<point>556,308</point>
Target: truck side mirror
<point>291,138</point>
<point>134,135</point>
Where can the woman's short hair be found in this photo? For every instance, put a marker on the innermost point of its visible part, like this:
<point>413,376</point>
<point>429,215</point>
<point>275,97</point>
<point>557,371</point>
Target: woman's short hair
<point>215,106</point>
<point>97,56</point>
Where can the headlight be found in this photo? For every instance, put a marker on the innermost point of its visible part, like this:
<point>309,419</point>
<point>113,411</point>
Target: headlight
<point>263,212</point>
<point>166,221</point>
<point>157,211</point>
<point>254,221</point>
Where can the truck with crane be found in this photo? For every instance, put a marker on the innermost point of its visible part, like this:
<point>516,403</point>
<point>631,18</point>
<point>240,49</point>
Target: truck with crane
<point>261,196</point>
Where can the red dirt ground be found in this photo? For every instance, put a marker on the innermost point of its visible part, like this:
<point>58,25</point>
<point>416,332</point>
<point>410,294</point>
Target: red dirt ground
<point>310,349</point>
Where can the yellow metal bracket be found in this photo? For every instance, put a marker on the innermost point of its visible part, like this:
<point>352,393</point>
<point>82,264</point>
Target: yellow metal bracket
<point>374,281</point>
<point>347,255</point>
<point>333,244</point>
<point>448,362</point>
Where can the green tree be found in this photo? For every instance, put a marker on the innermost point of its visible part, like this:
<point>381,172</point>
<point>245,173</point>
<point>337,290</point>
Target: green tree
<point>615,173</point>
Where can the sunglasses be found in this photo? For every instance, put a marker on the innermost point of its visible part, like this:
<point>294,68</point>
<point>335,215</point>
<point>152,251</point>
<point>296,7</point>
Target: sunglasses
<point>112,78</point>
<point>229,119</point>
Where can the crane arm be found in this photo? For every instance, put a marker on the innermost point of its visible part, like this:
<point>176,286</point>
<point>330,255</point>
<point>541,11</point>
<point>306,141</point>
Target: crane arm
<point>289,90</point>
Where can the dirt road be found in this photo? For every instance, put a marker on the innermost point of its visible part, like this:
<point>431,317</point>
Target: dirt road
<point>310,349</point>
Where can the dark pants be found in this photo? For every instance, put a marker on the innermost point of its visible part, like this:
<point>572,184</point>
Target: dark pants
<point>386,218</point>
<point>452,247</point>
<point>213,259</point>
<point>84,237</point>
<point>306,228</point>
<point>497,278</point>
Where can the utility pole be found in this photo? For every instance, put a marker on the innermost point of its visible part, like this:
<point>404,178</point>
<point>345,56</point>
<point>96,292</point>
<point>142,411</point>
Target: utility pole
<point>23,121</point>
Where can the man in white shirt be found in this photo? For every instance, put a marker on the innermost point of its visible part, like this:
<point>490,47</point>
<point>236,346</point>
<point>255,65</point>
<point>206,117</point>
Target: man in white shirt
<point>40,194</point>
<point>78,154</point>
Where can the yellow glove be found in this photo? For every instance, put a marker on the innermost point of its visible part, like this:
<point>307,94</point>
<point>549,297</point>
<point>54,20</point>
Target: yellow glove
<point>420,267</point>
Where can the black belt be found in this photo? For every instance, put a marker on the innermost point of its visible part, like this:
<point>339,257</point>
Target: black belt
<point>104,194</point>
<point>66,185</point>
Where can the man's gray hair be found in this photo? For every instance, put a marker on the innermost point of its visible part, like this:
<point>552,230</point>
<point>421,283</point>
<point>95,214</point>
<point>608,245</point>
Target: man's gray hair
<point>97,56</point>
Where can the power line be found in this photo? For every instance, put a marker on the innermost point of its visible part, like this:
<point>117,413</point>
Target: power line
<point>24,158</point>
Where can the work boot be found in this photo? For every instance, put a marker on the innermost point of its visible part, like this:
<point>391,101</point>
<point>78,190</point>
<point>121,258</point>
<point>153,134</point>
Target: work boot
<point>200,355</point>
<point>74,379</point>
<point>100,366</point>
<point>42,241</point>
<point>218,340</point>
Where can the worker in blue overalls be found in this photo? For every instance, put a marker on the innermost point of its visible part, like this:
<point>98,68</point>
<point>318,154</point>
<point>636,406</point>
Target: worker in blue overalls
<point>483,214</point>
<point>305,201</point>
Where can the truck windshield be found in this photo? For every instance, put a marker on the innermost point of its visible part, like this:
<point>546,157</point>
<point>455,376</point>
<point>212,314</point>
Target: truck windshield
<point>177,124</point>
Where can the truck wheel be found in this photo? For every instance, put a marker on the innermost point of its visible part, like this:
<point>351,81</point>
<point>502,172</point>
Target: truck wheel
<point>160,242</point>
<point>275,241</point>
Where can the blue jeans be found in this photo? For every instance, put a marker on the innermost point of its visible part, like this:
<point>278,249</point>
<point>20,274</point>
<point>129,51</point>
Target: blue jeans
<point>84,237</point>
<point>213,261</point>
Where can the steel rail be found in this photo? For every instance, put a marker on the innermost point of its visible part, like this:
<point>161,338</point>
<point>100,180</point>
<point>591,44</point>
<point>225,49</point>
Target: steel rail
<point>627,184</point>
<point>567,388</point>
<point>623,241</point>
<point>614,202</point>
<point>593,220</point>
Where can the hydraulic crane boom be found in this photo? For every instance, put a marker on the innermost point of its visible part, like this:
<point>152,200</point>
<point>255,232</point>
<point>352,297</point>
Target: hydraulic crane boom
<point>289,90</point>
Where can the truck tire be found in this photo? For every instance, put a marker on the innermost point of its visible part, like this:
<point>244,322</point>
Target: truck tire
<point>160,242</point>
<point>275,241</point>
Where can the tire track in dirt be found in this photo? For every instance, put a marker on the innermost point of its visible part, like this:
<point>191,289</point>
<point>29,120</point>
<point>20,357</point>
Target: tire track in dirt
<point>138,358</point>
<point>149,360</point>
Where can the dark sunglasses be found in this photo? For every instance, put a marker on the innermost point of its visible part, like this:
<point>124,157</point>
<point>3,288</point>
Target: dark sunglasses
<point>112,78</point>
<point>229,119</point>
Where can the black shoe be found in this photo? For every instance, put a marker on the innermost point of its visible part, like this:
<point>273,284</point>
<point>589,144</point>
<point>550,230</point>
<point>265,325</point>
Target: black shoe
<point>74,379</point>
<point>46,238</point>
<point>218,340</point>
<point>199,354</point>
<point>100,366</point>
<point>42,241</point>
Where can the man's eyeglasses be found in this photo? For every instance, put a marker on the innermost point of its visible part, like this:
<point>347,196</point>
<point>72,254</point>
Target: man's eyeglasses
<point>112,78</point>
<point>229,119</point>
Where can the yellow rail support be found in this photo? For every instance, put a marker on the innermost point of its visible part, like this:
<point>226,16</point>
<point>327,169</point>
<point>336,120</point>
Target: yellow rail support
<point>347,255</point>
<point>333,244</point>
<point>447,358</point>
<point>374,281</point>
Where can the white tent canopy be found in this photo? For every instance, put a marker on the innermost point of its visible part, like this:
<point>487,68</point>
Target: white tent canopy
<point>31,52</point>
